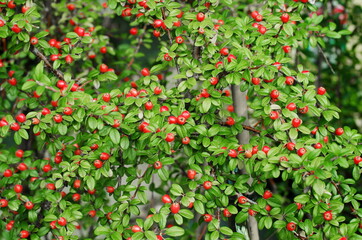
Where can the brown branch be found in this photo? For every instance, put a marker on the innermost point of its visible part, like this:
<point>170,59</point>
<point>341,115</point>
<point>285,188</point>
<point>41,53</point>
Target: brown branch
<point>251,129</point>
<point>140,183</point>
<point>48,65</point>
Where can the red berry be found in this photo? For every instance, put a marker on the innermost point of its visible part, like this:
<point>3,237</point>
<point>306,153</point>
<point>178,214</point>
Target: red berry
<point>339,131</point>
<point>321,91</point>
<point>8,173</point>
<point>98,163</point>
<point>200,17</point>
<point>110,189</point>
<point>286,49</point>
<point>233,153</point>
<point>18,188</point>
<point>170,137</point>
<point>185,140</point>
<point>262,29</point>
<point>301,151</point>
<point>267,194</point>
<point>274,94</point>
<point>214,80</point>
<point>224,51</point>
<point>207,185</point>
<point>328,215</point>
<point>357,160</point>
<point>104,156</point>
<point>230,121</point>
<point>62,221</point>
<point>285,17</point>
<point>157,23</point>
<point>167,57</point>
<point>47,168</point>
<point>175,207</point>
<point>58,118</point>
<point>252,212</point>
<point>290,146</point>
<point>207,218</point>
<point>191,174</point>
<point>274,115</point>
<point>145,72</point>
<point>255,81</point>
<point>296,122</point>
<point>157,165</point>
<point>103,68</point>
<point>166,199</point>
<point>291,226</point>
<point>15,126</point>
<point>291,106</point>
<point>76,197</point>
<point>136,228</point>
<point>103,50</point>
<point>24,234</point>
<point>19,153</point>
<point>3,203</point>
<point>231,57</point>
<point>303,110</point>
<point>22,167</point>
<point>68,111</point>
<point>289,80</point>
<point>226,213</point>
<point>318,146</point>
<point>133,31</point>
<point>171,119</point>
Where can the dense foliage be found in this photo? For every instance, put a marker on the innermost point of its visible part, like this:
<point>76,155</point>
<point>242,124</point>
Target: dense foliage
<point>172,120</point>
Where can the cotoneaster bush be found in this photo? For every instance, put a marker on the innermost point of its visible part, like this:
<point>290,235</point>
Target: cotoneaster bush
<point>127,120</point>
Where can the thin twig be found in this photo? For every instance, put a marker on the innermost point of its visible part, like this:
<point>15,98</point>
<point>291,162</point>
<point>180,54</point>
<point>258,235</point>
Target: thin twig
<point>325,57</point>
<point>140,40</point>
<point>48,65</point>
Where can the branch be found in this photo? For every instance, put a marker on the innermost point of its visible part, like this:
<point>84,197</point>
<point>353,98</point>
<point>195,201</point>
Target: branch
<point>251,129</point>
<point>140,183</point>
<point>48,65</point>
<point>325,57</point>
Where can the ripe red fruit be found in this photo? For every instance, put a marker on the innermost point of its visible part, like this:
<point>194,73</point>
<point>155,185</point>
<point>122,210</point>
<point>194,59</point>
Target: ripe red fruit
<point>301,151</point>
<point>181,120</point>
<point>68,59</point>
<point>62,221</point>
<point>289,80</point>
<point>110,189</point>
<point>200,17</point>
<point>92,213</point>
<point>186,114</point>
<point>207,185</point>
<point>24,234</point>
<point>291,106</point>
<point>285,17</point>
<point>268,208</point>
<point>166,199</point>
<point>321,91</point>
<point>58,118</point>
<point>61,84</point>
<point>179,40</point>
<point>15,126</point>
<point>8,173</point>
<point>77,183</point>
<point>259,18</point>
<point>286,49</point>
<point>103,68</point>
<point>136,228</point>
<point>251,212</point>
<point>98,163</point>
<point>226,213</point>
<point>18,188</point>
<point>50,186</point>
<point>19,153</point>
<point>265,149</point>
<point>76,197</point>
<point>207,218</point>
<point>167,57</point>
<point>303,110</point>
<point>171,119</point>
<point>231,57</point>
<point>230,121</point>
<point>255,80</point>
<point>22,167</point>
<point>274,115</point>
<point>145,72</point>
<point>45,111</point>
<point>233,153</point>
<point>214,80</point>
<point>274,94</point>
<point>318,146</point>
<point>170,137</point>
<point>357,160</point>
<point>290,146</point>
<point>104,156</point>
<point>339,131</point>
<point>185,140</point>
<point>267,194</point>
<point>224,51</point>
<point>47,168</point>
<point>29,205</point>
<point>148,105</point>
<point>103,50</point>
<point>71,7</point>
<point>262,29</point>
<point>175,207</point>
<point>3,203</point>
<point>157,165</point>
<point>157,23</point>
<point>12,81</point>
<point>291,226</point>
<point>254,14</point>
<point>191,174</point>
<point>157,90</point>
<point>278,65</point>
<point>156,33</point>
<point>328,215</point>
<point>133,31</point>
<point>296,122</point>
<point>68,111</point>
<point>15,28</point>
